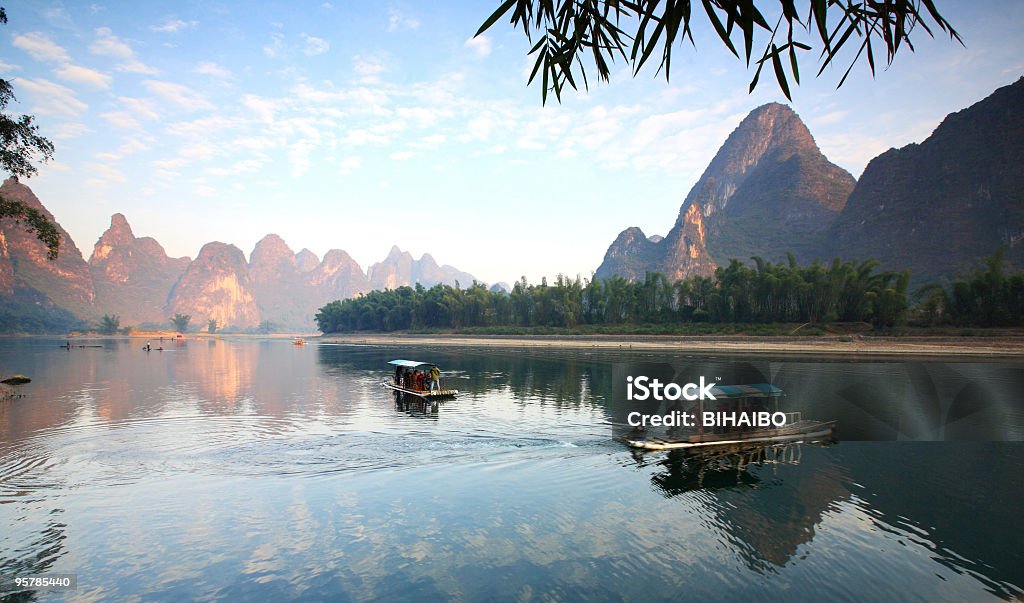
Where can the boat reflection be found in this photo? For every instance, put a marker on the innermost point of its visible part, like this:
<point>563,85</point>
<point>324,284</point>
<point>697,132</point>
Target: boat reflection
<point>721,467</point>
<point>415,406</point>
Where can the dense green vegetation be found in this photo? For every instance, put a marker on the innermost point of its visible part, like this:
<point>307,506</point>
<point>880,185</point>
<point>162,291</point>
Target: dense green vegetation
<point>990,298</point>
<point>758,294</point>
<point>110,324</point>
<point>180,322</point>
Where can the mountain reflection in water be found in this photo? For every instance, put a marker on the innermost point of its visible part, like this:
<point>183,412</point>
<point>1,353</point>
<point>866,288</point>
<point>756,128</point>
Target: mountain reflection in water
<point>261,470</point>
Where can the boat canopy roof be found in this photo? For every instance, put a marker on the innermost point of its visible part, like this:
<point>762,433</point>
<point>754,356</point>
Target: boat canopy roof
<point>756,390</point>
<point>411,363</point>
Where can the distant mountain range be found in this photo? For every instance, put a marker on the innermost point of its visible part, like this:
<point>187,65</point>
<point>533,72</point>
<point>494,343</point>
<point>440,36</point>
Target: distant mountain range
<point>134,278</point>
<point>938,208</point>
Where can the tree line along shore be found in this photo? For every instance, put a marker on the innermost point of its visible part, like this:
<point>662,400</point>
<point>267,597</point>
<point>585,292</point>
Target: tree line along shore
<point>763,299</point>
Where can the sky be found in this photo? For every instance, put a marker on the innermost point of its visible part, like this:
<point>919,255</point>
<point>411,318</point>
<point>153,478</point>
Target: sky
<point>362,125</point>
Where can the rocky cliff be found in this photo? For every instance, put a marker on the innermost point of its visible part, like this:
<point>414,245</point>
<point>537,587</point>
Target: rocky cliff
<point>940,207</point>
<point>337,277</point>
<point>768,190</point>
<point>217,285</point>
<point>25,269</point>
<point>132,276</point>
<point>277,282</point>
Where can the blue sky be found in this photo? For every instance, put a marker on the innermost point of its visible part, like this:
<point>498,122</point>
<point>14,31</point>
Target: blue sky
<point>359,125</point>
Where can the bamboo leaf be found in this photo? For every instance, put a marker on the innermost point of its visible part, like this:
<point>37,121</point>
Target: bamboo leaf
<point>780,73</point>
<point>495,16</point>
<point>717,23</point>
<point>793,63</point>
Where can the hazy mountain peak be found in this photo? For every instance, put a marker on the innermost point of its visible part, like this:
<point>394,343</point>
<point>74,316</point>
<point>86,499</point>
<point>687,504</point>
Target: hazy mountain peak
<point>306,260</point>
<point>270,245</point>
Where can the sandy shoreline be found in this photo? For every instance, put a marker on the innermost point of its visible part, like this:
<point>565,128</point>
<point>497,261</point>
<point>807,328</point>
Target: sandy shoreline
<point>978,347</point>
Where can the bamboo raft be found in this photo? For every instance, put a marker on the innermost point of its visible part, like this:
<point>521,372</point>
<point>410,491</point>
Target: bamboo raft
<point>426,395</point>
<point>800,431</point>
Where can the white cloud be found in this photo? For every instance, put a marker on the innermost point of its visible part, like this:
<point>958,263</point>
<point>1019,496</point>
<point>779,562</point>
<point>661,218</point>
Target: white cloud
<point>368,67</point>
<point>83,75</point>
<point>139,106</point>
<point>298,157</point>
<point>134,109</point>
<point>52,98</point>
<point>4,66</point>
<point>198,151</point>
<point>398,21</point>
<point>480,45</point>
<point>40,47</point>
<point>132,145</point>
<point>263,107</point>
<point>348,164</point>
<point>105,174</point>
<point>174,26</point>
<point>67,130</point>
<point>109,45</point>
<point>213,70</point>
<point>244,166</point>
<point>121,119</point>
<point>402,155</point>
<point>429,142</point>
<point>58,17</point>
<point>360,137</point>
<point>423,116</point>
<point>276,45</point>
<point>136,66</point>
<point>314,45</point>
<point>169,163</point>
<point>480,127</point>
<point>178,94</point>
<point>204,127</point>
<point>830,118</point>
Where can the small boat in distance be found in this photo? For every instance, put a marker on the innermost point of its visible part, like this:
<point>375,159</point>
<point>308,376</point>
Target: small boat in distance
<point>405,380</point>
<point>298,341</point>
<point>740,402</point>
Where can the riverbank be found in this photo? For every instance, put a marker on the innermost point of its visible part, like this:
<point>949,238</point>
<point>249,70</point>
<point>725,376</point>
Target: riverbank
<point>857,345</point>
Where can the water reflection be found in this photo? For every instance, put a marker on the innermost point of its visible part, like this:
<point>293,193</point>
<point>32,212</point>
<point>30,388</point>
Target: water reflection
<point>262,470</point>
<point>416,406</point>
<point>777,505</point>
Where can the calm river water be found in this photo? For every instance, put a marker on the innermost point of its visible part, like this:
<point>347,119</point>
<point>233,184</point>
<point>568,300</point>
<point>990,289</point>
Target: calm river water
<point>258,470</point>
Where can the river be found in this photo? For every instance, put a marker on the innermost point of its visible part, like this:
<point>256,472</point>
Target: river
<point>252,469</point>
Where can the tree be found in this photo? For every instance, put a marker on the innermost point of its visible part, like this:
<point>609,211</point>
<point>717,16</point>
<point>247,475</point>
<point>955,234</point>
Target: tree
<point>601,31</point>
<point>211,326</point>
<point>20,144</point>
<point>109,324</point>
<point>180,322</point>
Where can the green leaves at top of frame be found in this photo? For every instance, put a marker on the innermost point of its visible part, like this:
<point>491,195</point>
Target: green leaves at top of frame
<point>600,31</point>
